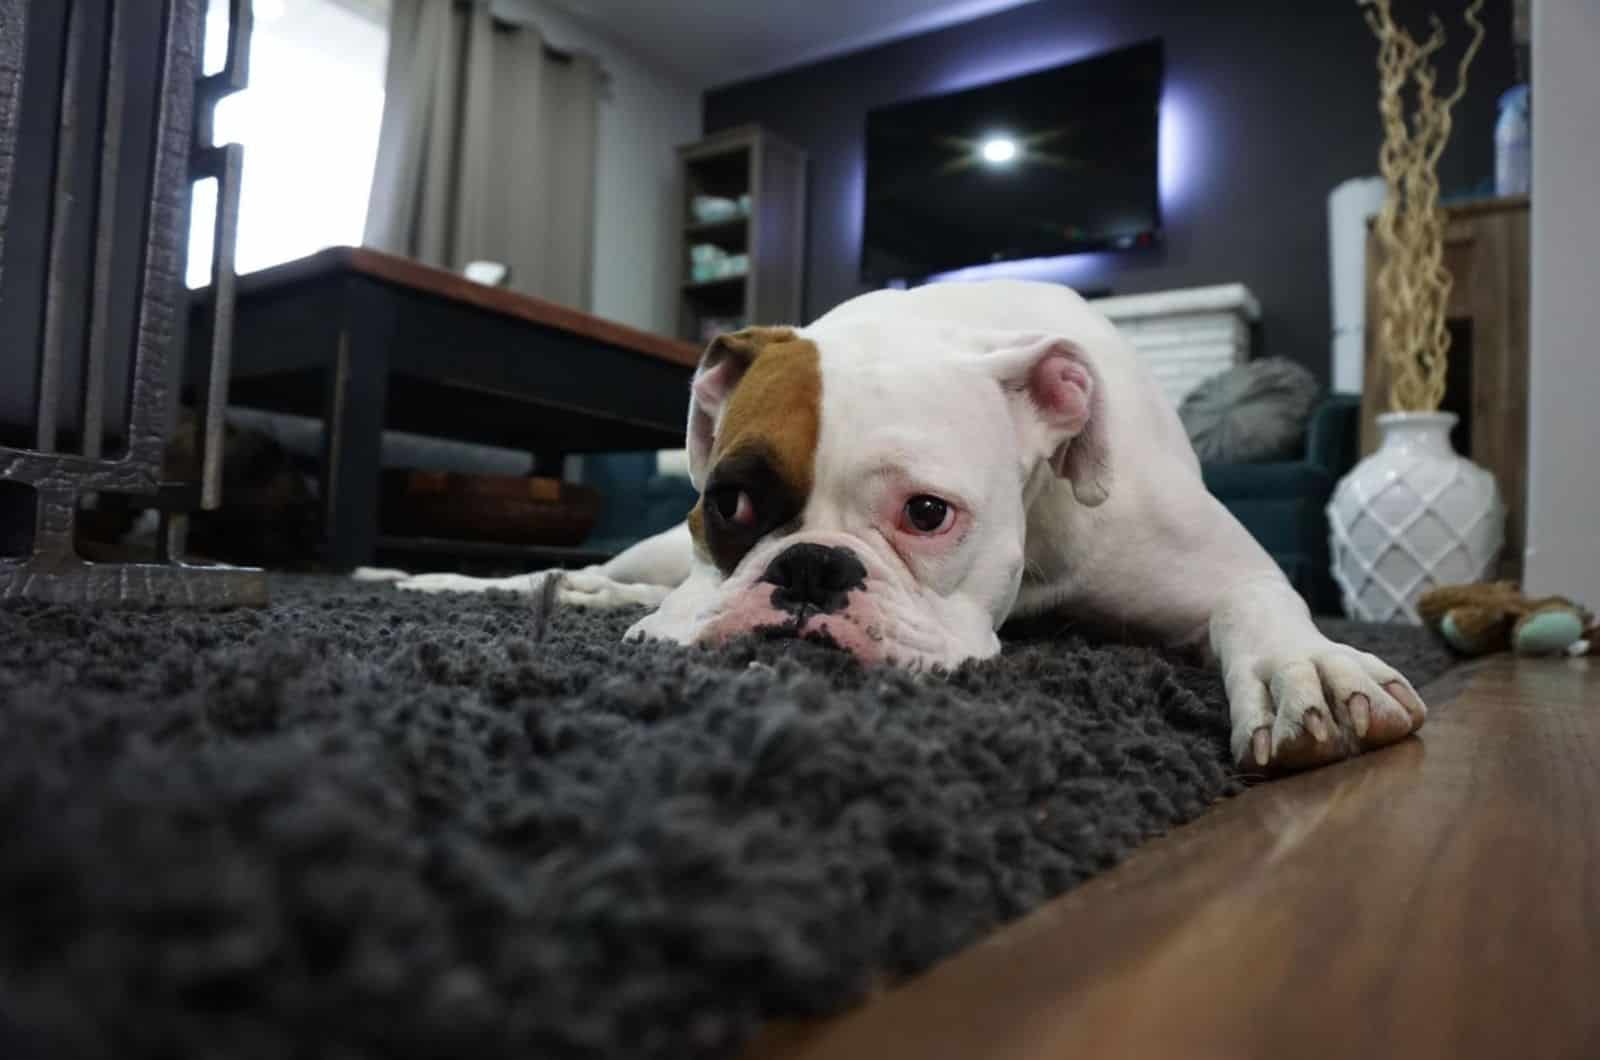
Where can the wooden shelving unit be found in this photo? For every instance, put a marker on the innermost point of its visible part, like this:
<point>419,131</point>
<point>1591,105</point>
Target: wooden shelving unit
<point>1486,251</point>
<point>745,161</point>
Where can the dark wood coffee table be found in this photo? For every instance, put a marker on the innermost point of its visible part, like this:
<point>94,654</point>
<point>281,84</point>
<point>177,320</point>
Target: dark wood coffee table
<point>367,341</point>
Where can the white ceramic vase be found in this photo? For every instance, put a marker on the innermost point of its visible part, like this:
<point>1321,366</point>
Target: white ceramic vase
<point>1413,515</point>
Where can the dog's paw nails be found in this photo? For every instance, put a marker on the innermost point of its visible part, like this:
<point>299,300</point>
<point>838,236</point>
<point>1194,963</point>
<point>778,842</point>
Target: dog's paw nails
<point>1409,701</point>
<point>1261,746</point>
<point>1360,709</point>
<point>1316,703</point>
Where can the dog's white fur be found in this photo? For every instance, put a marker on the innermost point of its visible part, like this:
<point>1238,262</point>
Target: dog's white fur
<point>929,387</point>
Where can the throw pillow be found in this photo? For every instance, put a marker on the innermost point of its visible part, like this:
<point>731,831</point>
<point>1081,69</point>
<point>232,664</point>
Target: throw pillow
<point>1251,412</point>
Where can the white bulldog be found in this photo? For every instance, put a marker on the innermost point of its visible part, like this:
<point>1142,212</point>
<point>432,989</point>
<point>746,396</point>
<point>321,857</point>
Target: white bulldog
<point>917,467</point>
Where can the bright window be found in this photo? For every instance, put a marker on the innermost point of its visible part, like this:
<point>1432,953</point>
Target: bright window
<point>309,125</point>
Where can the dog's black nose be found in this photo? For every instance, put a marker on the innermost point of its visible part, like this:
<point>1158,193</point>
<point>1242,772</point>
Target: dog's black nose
<point>814,576</point>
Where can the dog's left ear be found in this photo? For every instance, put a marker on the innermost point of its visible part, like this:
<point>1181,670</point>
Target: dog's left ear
<point>1059,409</point>
<point>722,366</point>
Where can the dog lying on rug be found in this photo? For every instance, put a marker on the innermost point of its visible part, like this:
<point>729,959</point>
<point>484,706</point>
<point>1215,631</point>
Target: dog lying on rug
<point>916,467</point>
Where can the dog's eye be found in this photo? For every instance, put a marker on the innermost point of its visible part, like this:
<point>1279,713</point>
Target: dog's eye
<point>734,506</point>
<point>927,515</point>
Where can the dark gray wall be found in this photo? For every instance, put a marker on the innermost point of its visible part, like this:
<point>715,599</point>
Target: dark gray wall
<point>1268,105</point>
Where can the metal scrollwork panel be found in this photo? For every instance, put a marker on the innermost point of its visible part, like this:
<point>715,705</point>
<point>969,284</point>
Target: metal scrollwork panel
<point>101,48</point>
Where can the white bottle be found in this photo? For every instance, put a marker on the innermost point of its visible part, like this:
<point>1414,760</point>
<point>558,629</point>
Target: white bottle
<point>1512,147</point>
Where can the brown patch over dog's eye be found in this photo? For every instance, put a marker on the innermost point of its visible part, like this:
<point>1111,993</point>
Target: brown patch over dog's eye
<point>765,448</point>
<point>776,410</point>
<point>746,499</point>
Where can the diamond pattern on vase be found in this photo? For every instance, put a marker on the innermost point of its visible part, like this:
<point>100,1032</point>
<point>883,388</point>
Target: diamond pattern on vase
<point>1411,516</point>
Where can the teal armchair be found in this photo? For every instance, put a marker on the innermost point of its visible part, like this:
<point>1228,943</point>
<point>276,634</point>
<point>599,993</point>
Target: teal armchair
<point>638,500</point>
<point>1283,503</point>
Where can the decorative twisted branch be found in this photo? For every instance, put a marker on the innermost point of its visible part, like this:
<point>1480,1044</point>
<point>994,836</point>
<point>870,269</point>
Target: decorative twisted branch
<point>1413,285</point>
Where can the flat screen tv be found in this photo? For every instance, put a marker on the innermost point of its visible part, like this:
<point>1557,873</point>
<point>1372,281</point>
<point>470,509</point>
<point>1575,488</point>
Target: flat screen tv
<point>1054,162</point>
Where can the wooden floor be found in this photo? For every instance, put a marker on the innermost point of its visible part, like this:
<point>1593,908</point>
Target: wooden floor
<point>1437,899</point>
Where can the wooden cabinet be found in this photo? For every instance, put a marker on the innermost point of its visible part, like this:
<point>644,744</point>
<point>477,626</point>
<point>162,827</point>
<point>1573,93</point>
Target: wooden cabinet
<point>1486,251</point>
<point>744,202</point>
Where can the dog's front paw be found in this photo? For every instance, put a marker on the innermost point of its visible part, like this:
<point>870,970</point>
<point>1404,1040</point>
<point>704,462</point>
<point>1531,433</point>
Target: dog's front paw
<point>526,584</point>
<point>588,588</point>
<point>379,575</point>
<point>1316,704</point>
<point>575,588</point>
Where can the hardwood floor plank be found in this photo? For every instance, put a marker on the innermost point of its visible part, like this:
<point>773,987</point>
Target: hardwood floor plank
<point>1440,898</point>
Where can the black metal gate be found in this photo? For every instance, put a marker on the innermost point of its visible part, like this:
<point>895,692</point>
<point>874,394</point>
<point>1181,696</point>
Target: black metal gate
<point>93,307</point>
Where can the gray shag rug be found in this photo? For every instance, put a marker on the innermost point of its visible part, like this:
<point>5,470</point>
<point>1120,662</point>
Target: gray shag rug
<point>361,823</point>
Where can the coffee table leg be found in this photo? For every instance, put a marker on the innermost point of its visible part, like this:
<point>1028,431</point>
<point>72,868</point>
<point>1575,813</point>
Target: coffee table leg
<point>358,391</point>
<point>549,463</point>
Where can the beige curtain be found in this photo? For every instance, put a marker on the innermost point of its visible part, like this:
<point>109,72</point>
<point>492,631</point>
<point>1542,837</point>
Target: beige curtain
<point>487,151</point>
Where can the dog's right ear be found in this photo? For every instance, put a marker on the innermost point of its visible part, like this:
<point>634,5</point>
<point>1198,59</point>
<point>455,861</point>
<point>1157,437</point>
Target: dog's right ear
<point>724,363</point>
<point>1059,403</point>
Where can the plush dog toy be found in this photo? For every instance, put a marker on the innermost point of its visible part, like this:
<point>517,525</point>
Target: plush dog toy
<point>1495,616</point>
